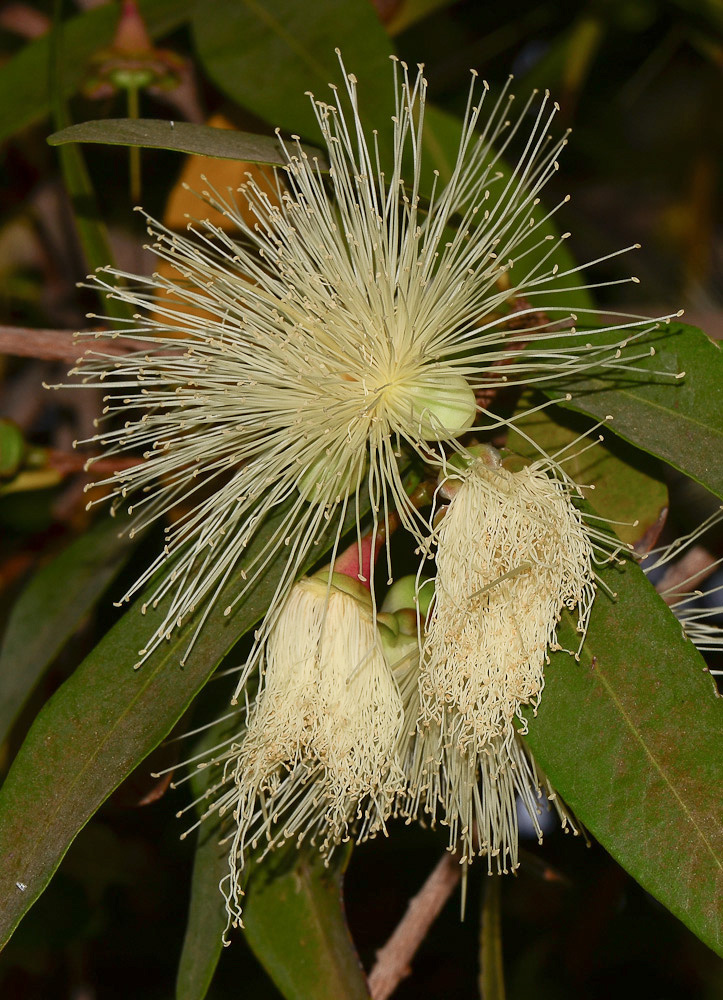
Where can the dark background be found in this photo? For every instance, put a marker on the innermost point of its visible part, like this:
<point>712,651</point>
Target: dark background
<point>639,81</point>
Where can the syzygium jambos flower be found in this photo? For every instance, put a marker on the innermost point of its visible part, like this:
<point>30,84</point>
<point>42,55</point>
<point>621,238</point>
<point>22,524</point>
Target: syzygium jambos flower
<point>319,758</point>
<point>287,365</point>
<point>513,551</point>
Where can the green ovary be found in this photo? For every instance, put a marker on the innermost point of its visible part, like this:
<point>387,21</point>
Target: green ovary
<point>435,411</point>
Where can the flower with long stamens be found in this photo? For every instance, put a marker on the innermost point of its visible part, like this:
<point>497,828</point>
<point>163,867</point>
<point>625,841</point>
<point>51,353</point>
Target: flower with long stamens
<point>287,365</point>
<point>513,551</point>
<point>318,759</point>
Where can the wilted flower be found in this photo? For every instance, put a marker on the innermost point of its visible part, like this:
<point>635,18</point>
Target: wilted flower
<point>318,759</point>
<point>290,364</point>
<point>513,551</point>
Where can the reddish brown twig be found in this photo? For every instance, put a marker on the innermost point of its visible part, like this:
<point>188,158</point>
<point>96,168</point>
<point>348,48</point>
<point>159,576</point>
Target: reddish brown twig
<point>58,345</point>
<point>651,536</point>
<point>394,959</point>
<point>22,19</point>
<point>684,577</point>
<point>67,463</point>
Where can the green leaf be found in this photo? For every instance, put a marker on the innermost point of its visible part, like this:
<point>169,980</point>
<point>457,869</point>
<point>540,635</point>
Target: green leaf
<point>52,607</point>
<point>24,90</point>
<point>630,737</point>
<point>91,230</point>
<point>202,943</point>
<point>290,46</point>
<point>203,940</point>
<point>294,922</point>
<point>628,484</point>
<point>182,137</point>
<point>12,448</point>
<point>102,723</point>
<point>680,421</point>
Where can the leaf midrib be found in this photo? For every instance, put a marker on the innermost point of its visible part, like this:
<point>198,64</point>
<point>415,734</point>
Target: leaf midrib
<point>600,674</point>
<point>668,410</point>
<point>277,28</point>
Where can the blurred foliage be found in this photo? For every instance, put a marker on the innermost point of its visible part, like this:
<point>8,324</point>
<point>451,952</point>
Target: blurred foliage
<point>639,82</point>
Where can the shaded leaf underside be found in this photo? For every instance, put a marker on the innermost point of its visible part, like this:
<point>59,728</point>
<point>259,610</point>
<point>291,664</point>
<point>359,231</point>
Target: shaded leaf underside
<point>182,137</point>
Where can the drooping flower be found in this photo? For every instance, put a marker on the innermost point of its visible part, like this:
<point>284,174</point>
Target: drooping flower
<point>318,759</point>
<point>286,367</point>
<point>513,551</point>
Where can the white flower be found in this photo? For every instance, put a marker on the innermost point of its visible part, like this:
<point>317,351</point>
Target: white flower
<point>318,760</point>
<point>476,794</point>
<point>292,361</point>
<point>513,551</point>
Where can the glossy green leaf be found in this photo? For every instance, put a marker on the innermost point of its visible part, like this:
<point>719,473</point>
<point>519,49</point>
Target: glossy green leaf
<point>290,46</point>
<point>630,737</point>
<point>101,724</point>
<point>628,484</point>
<point>182,137</point>
<point>678,420</point>
<point>24,90</point>
<point>51,608</point>
<point>203,940</point>
<point>308,951</point>
<point>202,943</point>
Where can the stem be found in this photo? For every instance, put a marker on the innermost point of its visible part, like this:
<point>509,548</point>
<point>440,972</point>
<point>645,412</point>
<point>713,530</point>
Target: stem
<point>687,574</point>
<point>66,463</point>
<point>393,960</point>
<point>134,152</point>
<point>57,345</point>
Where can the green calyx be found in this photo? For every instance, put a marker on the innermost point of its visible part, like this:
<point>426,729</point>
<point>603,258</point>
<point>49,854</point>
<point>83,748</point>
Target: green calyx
<point>343,583</point>
<point>404,596</point>
<point>443,410</point>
